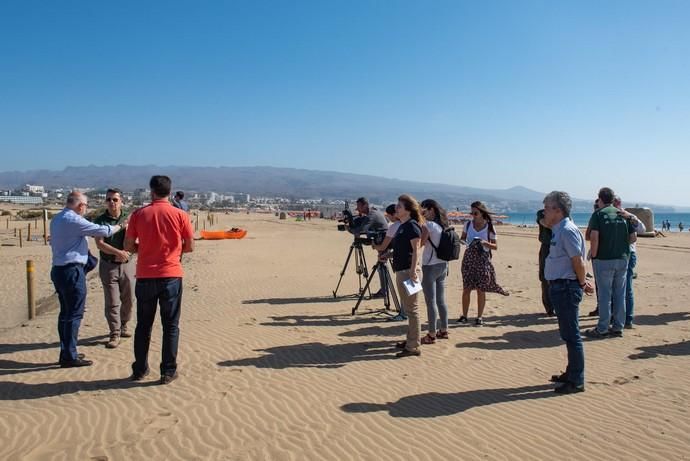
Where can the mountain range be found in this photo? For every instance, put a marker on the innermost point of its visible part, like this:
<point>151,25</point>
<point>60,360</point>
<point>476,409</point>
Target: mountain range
<point>285,182</point>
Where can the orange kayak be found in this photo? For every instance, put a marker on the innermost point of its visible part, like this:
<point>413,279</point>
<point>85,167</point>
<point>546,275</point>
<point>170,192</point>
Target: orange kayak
<point>222,235</point>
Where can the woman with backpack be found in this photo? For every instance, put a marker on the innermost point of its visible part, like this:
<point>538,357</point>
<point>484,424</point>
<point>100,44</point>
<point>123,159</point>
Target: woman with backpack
<point>477,270</point>
<point>434,271</point>
<point>405,260</point>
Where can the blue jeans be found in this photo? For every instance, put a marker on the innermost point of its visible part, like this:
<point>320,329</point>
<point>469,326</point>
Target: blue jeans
<point>566,296</point>
<point>150,292</point>
<point>629,295</point>
<point>434,286</point>
<point>610,277</point>
<point>70,284</point>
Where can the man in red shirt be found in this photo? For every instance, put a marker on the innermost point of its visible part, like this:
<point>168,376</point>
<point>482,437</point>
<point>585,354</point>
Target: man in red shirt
<point>159,233</point>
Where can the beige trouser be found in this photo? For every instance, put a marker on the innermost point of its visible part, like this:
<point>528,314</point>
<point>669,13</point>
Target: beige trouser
<point>410,306</point>
<point>118,288</point>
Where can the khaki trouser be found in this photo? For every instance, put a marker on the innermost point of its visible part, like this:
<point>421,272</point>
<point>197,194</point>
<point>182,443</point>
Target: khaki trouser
<point>118,288</point>
<point>410,305</point>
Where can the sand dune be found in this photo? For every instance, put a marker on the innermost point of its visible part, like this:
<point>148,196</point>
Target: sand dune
<point>272,367</point>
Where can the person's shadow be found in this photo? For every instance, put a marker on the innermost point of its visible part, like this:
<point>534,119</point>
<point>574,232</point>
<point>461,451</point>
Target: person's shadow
<point>10,390</point>
<point>316,355</point>
<point>521,339</point>
<point>433,404</point>
<point>650,352</point>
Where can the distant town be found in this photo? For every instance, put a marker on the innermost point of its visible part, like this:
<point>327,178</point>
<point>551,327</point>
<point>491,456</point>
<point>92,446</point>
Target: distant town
<point>40,196</point>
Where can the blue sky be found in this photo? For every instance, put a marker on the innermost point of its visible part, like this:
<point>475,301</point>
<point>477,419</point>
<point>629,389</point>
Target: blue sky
<point>549,95</point>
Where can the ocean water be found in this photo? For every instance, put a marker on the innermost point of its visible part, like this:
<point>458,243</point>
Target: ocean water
<point>581,219</point>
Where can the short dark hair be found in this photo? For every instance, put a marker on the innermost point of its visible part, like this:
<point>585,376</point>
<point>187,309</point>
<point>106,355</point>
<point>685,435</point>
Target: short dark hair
<point>160,185</point>
<point>179,194</point>
<point>363,201</point>
<point>114,190</point>
<point>606,195</point>
<point>390,209</point>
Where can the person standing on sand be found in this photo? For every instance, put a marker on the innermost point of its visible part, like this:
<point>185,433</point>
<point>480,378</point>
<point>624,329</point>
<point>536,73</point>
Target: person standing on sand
<point>159,233</point>
<point>434,272</point>
<point>405,265</point>
<point>639,227</point>
<point>68,231</point>
<point>545,243</point>
<point>610,237</point>
<point>116,270</point>
<point>566,274</point>
<point>478,272</point>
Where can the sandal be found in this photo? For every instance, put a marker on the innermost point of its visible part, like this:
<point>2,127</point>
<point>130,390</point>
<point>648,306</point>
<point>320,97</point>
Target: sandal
<point>441,334</point>
<point>428,339</point>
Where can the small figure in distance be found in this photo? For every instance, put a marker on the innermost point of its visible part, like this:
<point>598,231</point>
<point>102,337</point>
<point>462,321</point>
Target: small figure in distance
<point>179,202</point>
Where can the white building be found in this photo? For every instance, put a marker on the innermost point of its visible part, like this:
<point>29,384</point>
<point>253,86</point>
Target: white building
<point>34,189</point>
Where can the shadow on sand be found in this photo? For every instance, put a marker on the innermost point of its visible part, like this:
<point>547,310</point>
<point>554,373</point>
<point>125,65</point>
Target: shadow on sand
<point>307,300</point>
<point>22,391</point>
<point>316,355</point>
<point>517,340</point>
<point>650,352</point>
<point>433,404</point>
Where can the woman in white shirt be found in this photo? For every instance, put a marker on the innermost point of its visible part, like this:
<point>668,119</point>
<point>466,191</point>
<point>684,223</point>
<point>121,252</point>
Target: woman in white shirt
<point>477,270</point>
<point>434,271</point>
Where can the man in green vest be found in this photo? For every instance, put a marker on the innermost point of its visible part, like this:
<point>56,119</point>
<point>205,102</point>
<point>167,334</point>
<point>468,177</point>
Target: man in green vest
<point>116,270</point>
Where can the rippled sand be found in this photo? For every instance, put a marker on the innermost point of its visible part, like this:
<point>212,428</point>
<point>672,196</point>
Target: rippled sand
<point>272,367</point>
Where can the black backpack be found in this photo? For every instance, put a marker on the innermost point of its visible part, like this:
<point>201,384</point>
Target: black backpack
<point>449,246</point>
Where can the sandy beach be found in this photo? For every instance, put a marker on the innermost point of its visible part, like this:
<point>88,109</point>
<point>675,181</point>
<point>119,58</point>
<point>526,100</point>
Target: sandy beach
<point>272,367</point>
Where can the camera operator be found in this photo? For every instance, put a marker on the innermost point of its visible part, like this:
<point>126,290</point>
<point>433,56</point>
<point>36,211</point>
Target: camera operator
<point>369,219</point>
<point>385,248</point>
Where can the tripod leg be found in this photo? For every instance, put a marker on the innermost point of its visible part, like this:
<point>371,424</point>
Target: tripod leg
<point>362,269</point>
<point>391,290</point>
<point>342,272</point>
<point>366,287</point>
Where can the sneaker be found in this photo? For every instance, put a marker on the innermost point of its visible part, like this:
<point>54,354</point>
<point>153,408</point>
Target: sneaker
<point>124,332</point>
<point>167,379</point>
<point>629,326</point>
<point>76,363</point>
<point>615,334</point>
<point>562,378</point>
<point>596,334</point>
<point>139,376</point>
<point>397,318</point>
<point>428,339</point>
<point>114,342</point>
<point>569,388</point>
<point>408,353</point>
<point>479,322</point>
<point>462,319</point>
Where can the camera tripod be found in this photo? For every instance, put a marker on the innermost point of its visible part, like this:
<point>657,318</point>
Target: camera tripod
<point>360,267</point>
<point>388,288</point>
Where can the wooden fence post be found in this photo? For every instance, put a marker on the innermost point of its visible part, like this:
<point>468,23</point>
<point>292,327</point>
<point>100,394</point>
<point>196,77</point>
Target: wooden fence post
<point>45,226</point>
<point>21,243</point>
<point>28,232</point>
<point>30,286</point>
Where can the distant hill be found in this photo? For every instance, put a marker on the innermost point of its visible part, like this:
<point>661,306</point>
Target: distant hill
<point>285,182</point>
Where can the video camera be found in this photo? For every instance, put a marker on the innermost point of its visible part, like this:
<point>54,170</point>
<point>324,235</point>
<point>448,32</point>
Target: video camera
<point>347,219</point>
<point>372,237</point>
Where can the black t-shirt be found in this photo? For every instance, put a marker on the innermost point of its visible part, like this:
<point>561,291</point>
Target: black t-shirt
<point>402,248</point>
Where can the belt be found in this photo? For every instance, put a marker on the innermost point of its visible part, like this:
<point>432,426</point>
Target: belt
<point>556,281</point>
<point>69,265</point>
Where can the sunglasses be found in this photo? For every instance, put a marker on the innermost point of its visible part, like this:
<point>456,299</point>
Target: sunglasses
<point>110,199</point>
